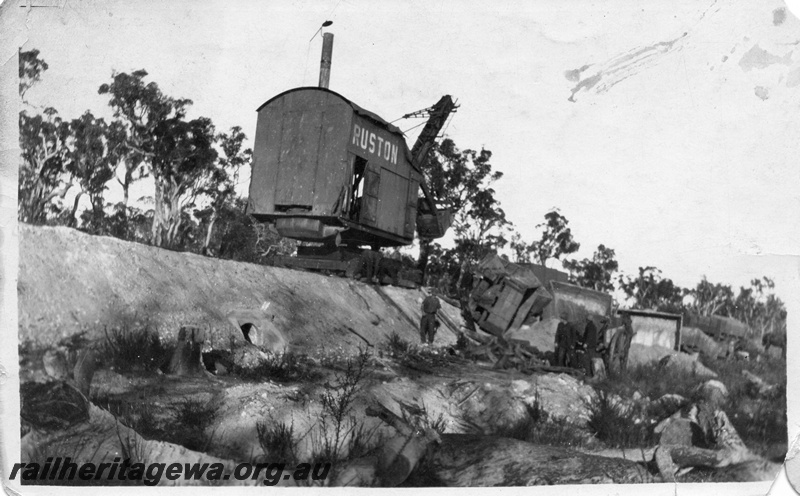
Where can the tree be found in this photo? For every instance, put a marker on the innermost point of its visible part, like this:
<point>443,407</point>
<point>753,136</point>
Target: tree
<point>462,180</point>
<point>759,308</point>
<point>595,273</point>
<point>94,149</point>
<point>556,241</point>
<point>183,159</point>
<point>31,68</point>
<point>42,141</point>
<point>221,182</point>
<point>140,108</point>
<point>711,299</point>
<point>42,178</point>
<point>650,291</point>
<point>159,140</point>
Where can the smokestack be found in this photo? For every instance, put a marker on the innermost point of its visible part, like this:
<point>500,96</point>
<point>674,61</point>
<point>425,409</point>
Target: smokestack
<point>325,61</point>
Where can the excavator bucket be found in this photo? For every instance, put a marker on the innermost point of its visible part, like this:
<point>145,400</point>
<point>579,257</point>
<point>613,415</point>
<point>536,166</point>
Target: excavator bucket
<point>434,225</point>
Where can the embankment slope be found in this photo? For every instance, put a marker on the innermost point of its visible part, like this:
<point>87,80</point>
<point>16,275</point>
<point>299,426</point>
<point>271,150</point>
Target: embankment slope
<point>71,282</point>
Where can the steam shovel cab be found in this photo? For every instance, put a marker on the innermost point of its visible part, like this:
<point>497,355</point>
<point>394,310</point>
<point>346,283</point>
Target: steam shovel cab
<point>325,170</point>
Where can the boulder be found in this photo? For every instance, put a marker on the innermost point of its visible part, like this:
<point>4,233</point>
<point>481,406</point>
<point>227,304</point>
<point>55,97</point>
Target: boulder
<point>679,432</point>
<point>246,357</point>
<point>667,405</point>
<point>685,363</point>
<point>759,386</point>
<point>713,391</point>
<point>640,354</point>
<point>55,363</point>
<point>695,339</point>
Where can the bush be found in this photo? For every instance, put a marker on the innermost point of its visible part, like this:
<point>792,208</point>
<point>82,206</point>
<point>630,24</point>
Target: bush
<point>396,346</point>
<point>760,421</point>
<point>278,441</point>
<point>422,419</point>
<point>281,367</point>
<point>137,349</point>
<point>535,427</point>
<point>194,413</point>
<point>191,418</point>
<point>650,380</point>
<point>342,435</point>
<point>138,415</point>
<point>616,429</point>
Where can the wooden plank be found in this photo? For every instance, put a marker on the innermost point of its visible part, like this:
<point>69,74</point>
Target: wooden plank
<point>522,311</point>
<point>312,263</point>
<point>266,153</point>
<point>391,215</point>
<point>334,173</point>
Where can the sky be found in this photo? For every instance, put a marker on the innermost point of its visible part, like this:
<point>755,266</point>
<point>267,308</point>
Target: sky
<point>664,130</point>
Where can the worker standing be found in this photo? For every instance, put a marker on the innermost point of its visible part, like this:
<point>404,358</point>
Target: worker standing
<point>370,263</point>
<point>428,323</point>
<point>465,282</point>
<point>566,339</point>
<point>621,345</point>
<point>590,346</point>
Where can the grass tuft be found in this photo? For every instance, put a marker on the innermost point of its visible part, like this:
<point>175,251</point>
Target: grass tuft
<point>134,349</point>
<point>281,367</point>
<point>278,441</point>
<point>615,428</point>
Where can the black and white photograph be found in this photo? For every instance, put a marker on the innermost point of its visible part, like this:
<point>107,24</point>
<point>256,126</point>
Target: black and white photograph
<point>401,244</point>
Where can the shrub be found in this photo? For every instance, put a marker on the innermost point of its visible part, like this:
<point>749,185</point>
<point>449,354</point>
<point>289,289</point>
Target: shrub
<point>342,436</point>
<point>191,418</point>
<point>650,380</point>
<point>396,346</point>
<point>616,429</point>
<point>423,419</point>
<point>536,427</point>
<point>137,349</point>
<point>760,421</point>
<point>138,416</point>
<point>278,441</point>
<point>281,367</point>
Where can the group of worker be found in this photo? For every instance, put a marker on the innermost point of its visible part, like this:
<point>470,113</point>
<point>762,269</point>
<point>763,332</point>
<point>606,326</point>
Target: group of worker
<point>579,344</point>
<point>373,267</point>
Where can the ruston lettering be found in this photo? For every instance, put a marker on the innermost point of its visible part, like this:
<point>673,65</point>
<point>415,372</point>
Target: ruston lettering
<point>366,140</point>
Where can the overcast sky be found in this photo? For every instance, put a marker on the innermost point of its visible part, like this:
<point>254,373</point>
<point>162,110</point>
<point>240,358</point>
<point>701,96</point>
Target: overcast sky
<point>665,130</point>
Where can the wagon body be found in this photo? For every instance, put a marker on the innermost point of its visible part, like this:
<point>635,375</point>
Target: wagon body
<point>324,169</point>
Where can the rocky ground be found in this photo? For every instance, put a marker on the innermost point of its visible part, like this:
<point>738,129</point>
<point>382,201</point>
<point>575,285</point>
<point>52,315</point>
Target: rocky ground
<point>352,388</point>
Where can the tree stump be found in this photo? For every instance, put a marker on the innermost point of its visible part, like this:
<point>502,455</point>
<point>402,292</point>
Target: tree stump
<point>84,369</point>
<point>187,358</point>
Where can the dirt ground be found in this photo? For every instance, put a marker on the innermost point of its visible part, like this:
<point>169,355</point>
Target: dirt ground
<point>70,283</point>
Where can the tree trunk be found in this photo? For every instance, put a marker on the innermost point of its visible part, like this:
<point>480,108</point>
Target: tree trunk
<point>72,220</point>
<point>209,231</point>
<point>467,461</point>
<point>83,371</point>
<point>187,359</point>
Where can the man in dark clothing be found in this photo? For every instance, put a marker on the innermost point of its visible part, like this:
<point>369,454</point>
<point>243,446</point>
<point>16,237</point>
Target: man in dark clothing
<point>428,327</point>
<point>566,339</point>
<point>428,323</point>
<point>465,281</point>
<point>625,342</point>
<point>590,346</point>
<point>370,262</point>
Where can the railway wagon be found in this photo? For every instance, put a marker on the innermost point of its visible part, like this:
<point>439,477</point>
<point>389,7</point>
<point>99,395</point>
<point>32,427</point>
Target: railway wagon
<point>326,170</point>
